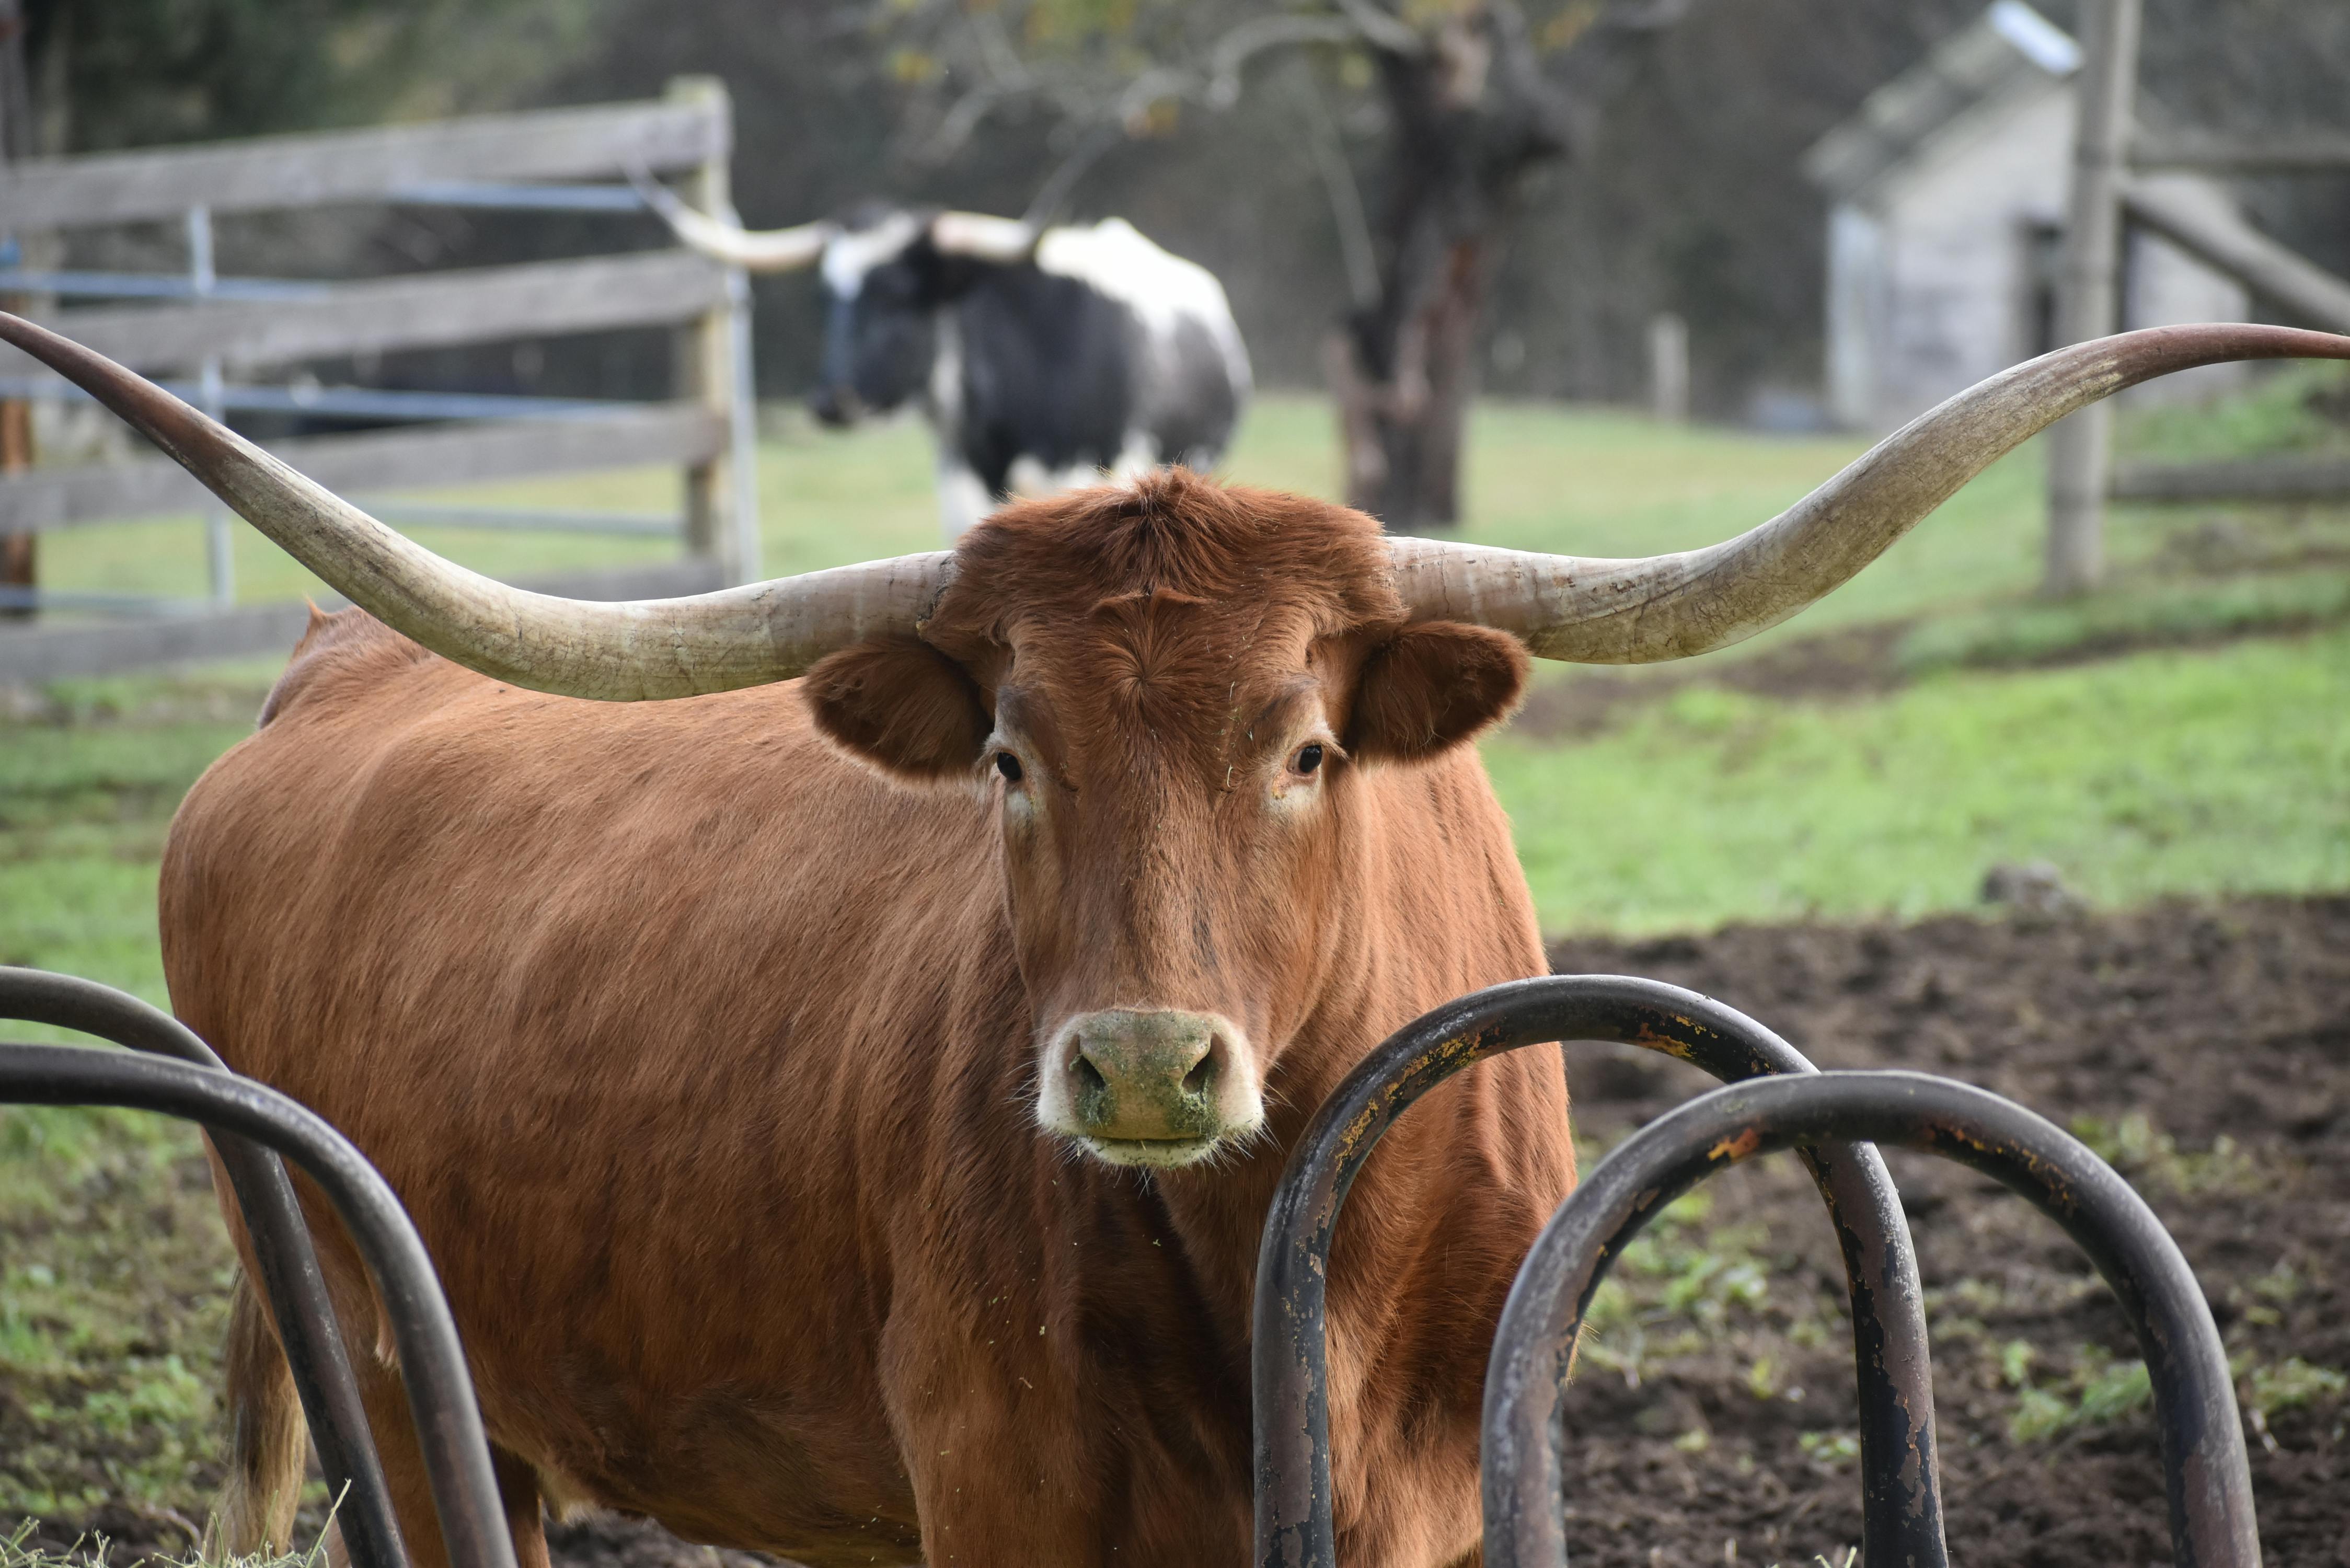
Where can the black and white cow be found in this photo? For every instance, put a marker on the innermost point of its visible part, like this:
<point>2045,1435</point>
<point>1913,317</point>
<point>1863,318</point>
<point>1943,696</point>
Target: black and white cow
<point>1042,359</point>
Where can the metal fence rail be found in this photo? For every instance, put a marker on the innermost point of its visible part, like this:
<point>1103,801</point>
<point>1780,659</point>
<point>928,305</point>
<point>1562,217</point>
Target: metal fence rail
<point>1775,1101</point>
<point>1294,1526</point>
<point>432,1360</point>
<point>2209,1479</point>
<point>288,1264</point>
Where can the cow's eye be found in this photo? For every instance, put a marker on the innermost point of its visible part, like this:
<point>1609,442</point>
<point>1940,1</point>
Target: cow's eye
<point>1009,766</point>
<point>1308,758</point>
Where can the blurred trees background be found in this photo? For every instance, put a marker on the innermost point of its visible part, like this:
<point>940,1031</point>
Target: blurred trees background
<point>1683,192</point>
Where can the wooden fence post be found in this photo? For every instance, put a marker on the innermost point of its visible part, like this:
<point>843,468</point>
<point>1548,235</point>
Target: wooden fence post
<point>1668,368</point>
<point>219,526</point>
<point>18,558</point>
<point>2080,448</point>
<point>721,494</point>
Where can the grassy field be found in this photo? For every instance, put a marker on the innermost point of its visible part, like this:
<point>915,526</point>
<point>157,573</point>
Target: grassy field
<point>2152,771</point>
<point>2184,733</point>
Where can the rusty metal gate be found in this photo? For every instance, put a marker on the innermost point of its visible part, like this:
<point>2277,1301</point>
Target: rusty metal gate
<point>1772,1099</point>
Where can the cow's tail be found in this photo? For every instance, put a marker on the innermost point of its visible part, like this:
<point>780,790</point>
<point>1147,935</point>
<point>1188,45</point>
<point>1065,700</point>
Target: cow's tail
<point>269,1442</point>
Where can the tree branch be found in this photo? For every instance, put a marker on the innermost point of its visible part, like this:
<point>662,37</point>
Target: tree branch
<point>1383,29</point>
<point>1355,249</point>
<point>1251,38</point>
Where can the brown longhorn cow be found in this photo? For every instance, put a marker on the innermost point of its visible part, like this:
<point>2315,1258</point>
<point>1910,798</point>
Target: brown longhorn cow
<point>843,1109</point>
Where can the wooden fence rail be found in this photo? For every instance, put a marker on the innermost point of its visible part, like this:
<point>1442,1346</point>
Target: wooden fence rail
<point>211,334</point>
<point>276,172</point>
<point>2282,478</point>
<point>684,434</point>
<point>422,310</point>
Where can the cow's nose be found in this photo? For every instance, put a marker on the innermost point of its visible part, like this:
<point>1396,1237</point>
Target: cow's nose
<point>1144,1077</point>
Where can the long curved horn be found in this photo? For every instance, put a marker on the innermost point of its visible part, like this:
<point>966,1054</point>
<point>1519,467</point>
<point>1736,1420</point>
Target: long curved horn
<point>651,648</point>
<point>985,238</point>
<point>754,250</point>
<point>1641,611</point>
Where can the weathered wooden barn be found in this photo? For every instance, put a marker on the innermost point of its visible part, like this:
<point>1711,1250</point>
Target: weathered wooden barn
<point>1946,196</point>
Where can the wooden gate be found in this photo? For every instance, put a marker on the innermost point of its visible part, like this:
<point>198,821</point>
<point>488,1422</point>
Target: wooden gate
<point>226,343</point>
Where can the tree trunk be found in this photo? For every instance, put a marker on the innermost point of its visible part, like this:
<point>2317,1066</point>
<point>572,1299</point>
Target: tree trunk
<point>1402,429</point>
<point>1471,113</point>
<point>1401,366</point>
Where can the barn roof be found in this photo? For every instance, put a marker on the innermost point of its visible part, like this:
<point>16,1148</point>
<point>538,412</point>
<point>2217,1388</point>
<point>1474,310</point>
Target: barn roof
<point>2009,47</point>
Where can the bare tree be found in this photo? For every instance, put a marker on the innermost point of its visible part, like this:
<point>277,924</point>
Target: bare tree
<point>1471,96</point>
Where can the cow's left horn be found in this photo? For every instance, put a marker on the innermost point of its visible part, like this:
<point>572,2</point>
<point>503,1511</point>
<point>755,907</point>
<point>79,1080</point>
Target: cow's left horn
<point>982,237</point>
<point>753,249</point>
<point>650,647</point>
<point>1641,611</point>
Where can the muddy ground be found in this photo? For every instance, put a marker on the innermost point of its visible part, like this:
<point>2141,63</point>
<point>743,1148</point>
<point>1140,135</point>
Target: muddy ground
<point>2205,1048</point>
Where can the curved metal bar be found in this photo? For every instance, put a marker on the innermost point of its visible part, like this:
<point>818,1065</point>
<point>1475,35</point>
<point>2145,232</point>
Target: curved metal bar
<point>2204,1457</point>
<point>1295,1528</point>
<point>288,1264</point>
<point>431,1361</point>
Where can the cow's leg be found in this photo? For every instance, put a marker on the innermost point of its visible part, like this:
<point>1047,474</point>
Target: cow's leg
<point>989,1493</point>
<point>410,1486</point>
<point>964,497</point>
<point>526,1515</point>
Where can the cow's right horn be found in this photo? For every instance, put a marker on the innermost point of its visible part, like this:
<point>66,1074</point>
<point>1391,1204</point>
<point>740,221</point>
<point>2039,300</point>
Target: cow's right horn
<point>651,648</point>
<point>753,249</point>
<point>1638,611</point>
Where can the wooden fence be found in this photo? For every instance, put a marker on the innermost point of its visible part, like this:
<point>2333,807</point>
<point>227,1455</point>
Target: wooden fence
<point>214,339</point>
<point>2118,173</point>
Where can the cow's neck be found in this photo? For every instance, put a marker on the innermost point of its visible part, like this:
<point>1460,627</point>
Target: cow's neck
<point>1220,1211</point>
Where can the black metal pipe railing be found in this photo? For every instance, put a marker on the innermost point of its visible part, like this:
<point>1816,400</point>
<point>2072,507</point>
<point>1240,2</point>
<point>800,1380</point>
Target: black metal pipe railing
<point>2209,1480</point>
<point>286,1261</point>
<point>431,1361</point>
<point>1294,1525</point>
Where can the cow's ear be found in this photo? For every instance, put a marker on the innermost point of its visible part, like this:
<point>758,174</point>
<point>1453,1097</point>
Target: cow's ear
<point>901,705</point>
<point>1432,686</point>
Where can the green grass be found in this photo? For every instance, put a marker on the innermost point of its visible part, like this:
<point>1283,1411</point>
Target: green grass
<point>2138,614</point>
<point>2178,772</point>
<point>2277,413</point>
<point>2152,775</point>
<point>87,785</point>
<point>113,1300</point>
<point>1591,481</point>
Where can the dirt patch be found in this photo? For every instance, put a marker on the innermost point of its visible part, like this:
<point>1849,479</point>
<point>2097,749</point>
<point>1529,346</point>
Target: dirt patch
<point>608,1541</point>
<point>1857,662</point>
<point>2205,1050</point>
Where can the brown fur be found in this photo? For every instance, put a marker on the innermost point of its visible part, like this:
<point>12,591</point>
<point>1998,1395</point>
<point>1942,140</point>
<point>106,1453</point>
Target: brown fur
<point>704,1053</point>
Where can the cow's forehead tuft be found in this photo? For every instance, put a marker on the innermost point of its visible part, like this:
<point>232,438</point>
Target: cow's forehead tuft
<point>1170,533</point>
<point>853,253</point>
